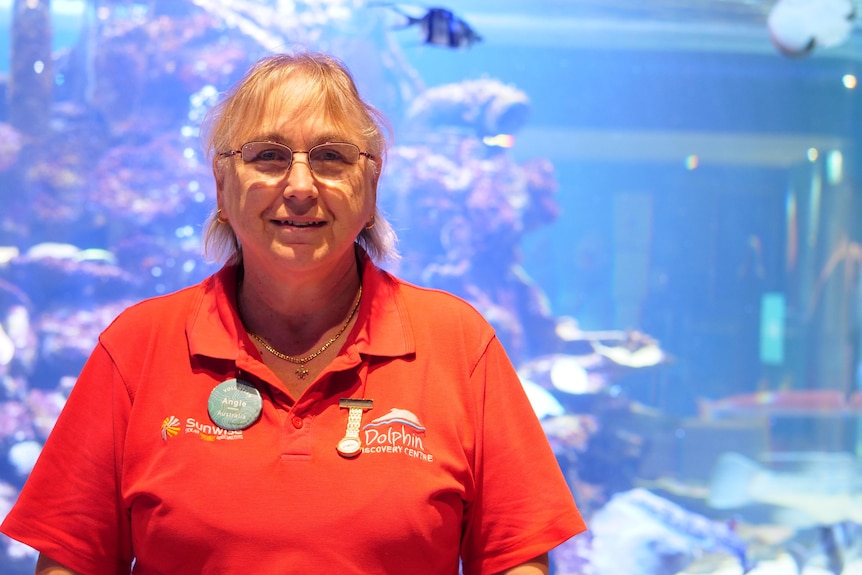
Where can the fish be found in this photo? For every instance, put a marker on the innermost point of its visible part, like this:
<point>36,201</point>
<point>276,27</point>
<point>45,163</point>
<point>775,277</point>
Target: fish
<point>825,490</point>
<point>797,27</point>
<point>499,141</point>
<point>640,533</point>
<point>440,27</point>
<point>826,550</point>
<point>829,540</point>
<point>646,355</point>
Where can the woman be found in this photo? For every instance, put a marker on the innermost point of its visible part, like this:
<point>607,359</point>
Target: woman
<point>301,411</point>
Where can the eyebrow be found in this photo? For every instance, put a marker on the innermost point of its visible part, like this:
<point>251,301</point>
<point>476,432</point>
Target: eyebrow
<point>322,139</point>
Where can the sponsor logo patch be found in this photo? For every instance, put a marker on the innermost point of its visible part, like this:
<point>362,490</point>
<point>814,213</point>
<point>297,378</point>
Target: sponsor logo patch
<point>398,432</point>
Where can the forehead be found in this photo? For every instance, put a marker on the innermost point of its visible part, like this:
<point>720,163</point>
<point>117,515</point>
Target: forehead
<point>293,113</point>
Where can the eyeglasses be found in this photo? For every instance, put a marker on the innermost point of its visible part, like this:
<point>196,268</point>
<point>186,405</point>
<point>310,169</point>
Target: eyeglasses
<point>330,161</point>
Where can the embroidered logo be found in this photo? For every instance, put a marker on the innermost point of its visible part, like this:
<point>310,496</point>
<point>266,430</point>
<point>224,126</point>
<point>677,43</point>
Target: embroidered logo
<point>210,432</point>
<point>398,432</point>
<point>170,427</point>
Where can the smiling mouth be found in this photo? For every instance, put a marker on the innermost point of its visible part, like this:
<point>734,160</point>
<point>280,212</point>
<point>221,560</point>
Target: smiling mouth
<point>293,224</point>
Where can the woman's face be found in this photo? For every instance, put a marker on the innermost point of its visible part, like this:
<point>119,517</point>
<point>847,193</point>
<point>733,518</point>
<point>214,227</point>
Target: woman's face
<point>293,220</point>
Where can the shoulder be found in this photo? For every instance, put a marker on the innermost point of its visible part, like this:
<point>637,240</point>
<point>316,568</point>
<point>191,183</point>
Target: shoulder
<point>440,317</point>
<point>155,311</point>
<point>152,315</point>
<point>433,305</point>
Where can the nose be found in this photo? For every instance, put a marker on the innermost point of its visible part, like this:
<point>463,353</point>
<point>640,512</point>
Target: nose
<point>300,180</point>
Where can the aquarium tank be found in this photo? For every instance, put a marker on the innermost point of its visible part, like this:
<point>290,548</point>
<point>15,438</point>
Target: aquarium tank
<point>655,203</point>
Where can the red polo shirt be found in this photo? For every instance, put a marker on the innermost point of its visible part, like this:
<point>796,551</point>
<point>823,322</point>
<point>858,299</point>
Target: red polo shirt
<point>454,462</point>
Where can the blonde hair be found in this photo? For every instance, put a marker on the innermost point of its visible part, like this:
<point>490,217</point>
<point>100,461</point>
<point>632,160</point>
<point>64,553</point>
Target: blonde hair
<point>307,79</point>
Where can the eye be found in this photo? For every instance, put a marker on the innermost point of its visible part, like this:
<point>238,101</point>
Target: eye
<point>328,153</point>
<point>266,152</point>
<point>270,154</point>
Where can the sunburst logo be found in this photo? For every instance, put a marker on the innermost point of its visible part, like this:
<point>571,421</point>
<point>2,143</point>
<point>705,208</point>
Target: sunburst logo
<point>170,427</point>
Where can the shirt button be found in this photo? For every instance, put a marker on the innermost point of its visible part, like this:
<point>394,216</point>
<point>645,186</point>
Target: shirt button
<point>297,422</point>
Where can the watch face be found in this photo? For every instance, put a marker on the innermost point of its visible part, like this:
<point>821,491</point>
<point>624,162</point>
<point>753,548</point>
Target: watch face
<point>349,447</point>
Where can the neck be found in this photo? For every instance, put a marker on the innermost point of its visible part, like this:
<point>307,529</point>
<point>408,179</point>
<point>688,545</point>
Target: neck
<point>295,317</point>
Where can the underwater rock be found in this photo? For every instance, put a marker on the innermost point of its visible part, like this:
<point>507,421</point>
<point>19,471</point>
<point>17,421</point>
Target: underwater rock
<point>15,420</point>
<point>157,180</point>
<point>44,407</point>
<point>67,336</point>
<point>823,490</point>
<point>64,277</point>
<point>487,107</point>
<point>10,146</point>
<point>640,533</point>
<point>464,208</point>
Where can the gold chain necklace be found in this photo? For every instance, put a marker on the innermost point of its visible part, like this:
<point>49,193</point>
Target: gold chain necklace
<point>301,372</point>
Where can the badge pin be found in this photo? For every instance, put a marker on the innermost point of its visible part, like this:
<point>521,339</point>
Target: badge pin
<point>234,404</point>
<point>350,445</point>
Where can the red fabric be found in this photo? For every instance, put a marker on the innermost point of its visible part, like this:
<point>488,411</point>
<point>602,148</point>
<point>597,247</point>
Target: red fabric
<point>460,465</point>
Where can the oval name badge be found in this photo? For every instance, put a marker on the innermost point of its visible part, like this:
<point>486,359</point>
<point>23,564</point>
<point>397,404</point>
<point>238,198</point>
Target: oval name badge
<point>234,404</point>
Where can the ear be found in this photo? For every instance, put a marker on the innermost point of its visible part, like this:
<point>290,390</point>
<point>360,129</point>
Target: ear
<point>218,177</point>
<point>372,184</point>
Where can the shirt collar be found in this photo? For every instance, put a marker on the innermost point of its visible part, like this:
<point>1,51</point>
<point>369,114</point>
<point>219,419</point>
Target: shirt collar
<point>384,322</point>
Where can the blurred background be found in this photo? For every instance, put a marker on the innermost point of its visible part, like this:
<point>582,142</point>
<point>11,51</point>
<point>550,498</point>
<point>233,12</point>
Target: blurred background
<point>655,203</point>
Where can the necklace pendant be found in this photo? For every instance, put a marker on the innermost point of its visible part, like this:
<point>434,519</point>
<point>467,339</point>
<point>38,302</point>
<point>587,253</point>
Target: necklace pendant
<point>301,372</point>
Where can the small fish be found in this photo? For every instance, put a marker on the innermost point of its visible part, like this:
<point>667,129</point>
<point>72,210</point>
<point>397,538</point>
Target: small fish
<point>796,27</point>
<point>832,549</point>
<point>499,141</point>
<point>825,490</point>
<point>647,355</point>
<point>826,550</point>
<point>440,27</point>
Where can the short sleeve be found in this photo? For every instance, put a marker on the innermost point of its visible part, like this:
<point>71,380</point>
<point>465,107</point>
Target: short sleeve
<point>70,508</point>
<point>523,506</point>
